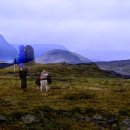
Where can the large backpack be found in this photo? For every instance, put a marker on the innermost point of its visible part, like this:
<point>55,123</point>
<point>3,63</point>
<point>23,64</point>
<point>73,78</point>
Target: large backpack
<point>49,80</point>
<point>29,55</point>
<point>37,82</point>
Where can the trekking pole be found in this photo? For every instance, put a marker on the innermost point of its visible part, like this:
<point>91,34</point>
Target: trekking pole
<point>14,66</point>
<point>31,76</point>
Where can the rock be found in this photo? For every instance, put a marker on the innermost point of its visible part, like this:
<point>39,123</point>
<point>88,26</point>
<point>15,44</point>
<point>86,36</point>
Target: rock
<point>86,119</point>
<point>97,117</point>
<point>2,119</point>
<point>115,127</point>
<point>41,114</point>
<point>127,122</point>
<point>128,128</point>
<point>29,119</point>
<point>102,128</point>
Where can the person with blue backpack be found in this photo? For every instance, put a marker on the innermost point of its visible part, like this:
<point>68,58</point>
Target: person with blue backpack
<point>23,77</point>
<point>23,69</point>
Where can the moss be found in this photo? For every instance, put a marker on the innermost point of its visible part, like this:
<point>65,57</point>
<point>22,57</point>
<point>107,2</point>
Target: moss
<point>79,96</point>
<point>76,92</point>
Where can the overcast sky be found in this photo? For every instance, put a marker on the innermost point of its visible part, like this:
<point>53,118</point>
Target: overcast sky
<point>97,29</point>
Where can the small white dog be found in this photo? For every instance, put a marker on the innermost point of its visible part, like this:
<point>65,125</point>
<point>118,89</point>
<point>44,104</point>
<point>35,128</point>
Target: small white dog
<point>43,81</point>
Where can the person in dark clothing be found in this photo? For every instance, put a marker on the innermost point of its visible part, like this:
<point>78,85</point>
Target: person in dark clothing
<point>23,77</point>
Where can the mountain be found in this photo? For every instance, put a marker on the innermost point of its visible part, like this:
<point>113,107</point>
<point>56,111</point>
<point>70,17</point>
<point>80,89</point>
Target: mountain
<point>58,56</point>
<point>7,51</point>
<point>121,67</point>
<point>5,65</point>
<point>82,58</point>
<point>39,49</point>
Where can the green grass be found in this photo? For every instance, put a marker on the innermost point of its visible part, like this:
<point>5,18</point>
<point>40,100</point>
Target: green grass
<point>76,92</point>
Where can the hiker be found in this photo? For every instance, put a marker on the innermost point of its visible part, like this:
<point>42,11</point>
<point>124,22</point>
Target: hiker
<point>43,81</point>
<point>23,77</point>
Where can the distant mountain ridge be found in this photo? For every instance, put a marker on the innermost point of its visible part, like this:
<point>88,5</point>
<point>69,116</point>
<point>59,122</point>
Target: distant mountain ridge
<point>39,49</point>
<point>121,66</point>
<point>7,51</point>
<point>58,56</point>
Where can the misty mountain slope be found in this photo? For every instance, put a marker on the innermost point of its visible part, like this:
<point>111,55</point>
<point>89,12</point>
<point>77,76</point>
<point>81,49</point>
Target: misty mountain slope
<point>58,56</point>
<point>122,66</point>
<point>7,51</point>
<point>39,49</point>
<point>82,58</point>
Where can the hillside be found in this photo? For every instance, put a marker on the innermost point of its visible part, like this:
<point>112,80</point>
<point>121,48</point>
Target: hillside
<point>81,97</point>
<point>121,67</point>
<point>4,65</point>
<point>58,56</point>
<point>7,51</point>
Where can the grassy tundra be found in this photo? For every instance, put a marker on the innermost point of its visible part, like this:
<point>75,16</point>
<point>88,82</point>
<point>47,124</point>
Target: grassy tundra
<point>81,97</point>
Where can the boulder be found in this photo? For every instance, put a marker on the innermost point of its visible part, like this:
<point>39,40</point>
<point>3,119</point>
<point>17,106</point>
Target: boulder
<point>29,119</point>
<point>127,122</point>
<point>2,119</point>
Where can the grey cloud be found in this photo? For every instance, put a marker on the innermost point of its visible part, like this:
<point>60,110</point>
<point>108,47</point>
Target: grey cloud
<point>97,26</point>
<point>65,9</point>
